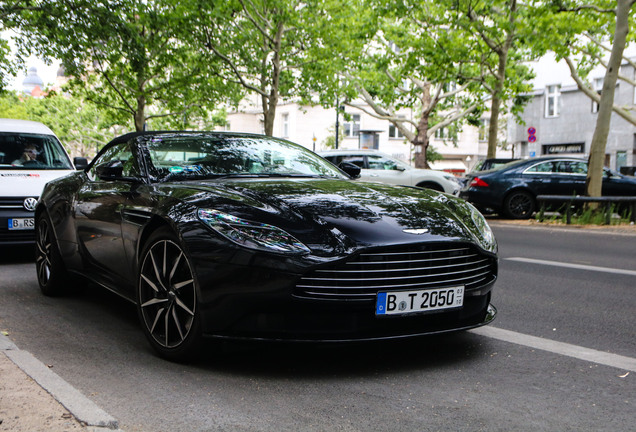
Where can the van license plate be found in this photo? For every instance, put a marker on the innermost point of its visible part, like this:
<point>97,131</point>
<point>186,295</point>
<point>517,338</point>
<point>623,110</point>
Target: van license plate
<point>21,224</point>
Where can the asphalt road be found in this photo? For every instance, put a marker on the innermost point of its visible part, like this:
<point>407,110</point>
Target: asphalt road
<point>574,289</point>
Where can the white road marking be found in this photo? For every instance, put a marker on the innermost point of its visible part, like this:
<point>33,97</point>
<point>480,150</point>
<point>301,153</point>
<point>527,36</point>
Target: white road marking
<point>561,348</point>
<point>574,266</point>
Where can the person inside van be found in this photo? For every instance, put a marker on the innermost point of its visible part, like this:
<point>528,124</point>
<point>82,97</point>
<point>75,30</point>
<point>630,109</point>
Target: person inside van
<point>30,154</point>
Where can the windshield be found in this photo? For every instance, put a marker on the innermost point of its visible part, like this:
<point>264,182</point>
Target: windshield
<point>22,151</point>
<point>213,156</point>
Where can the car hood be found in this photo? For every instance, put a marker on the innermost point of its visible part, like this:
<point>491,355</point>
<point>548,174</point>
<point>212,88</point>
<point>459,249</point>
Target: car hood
<point>331,214</point>
<point>27,183</point>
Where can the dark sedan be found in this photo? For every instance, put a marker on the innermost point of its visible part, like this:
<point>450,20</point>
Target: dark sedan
<point>511,190</point>
<point>246,236</point>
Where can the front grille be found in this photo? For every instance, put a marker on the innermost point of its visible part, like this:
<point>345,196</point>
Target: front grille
<point>398,269</point>
<point>12,202</point>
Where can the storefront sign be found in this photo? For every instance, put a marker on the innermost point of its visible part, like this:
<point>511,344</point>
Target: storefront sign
<point>563,148</point>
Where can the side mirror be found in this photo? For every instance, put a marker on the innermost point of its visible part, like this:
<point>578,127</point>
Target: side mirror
<point>80,163</point>
<point>110,171</point>
<point>352,170</point>
<point>114,171</point>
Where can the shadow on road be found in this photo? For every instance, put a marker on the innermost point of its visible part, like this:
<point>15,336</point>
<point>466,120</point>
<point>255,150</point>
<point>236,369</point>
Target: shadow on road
<point>361,359</point>
<point>17,254</point>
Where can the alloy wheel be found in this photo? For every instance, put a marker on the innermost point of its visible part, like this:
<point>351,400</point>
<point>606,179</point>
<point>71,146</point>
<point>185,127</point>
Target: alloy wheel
<point>167,294</point>
<point>43,260</point>
<point>520,205</point>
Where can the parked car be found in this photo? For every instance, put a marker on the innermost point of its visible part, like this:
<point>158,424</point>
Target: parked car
<point>484,165</point>
<point>491,163</point>
<point>512,189</point>
<point>30,156</point>
<point>379,167</point>
<point>247,236</point>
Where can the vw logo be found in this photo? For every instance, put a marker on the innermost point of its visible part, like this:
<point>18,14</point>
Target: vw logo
<point>30,204</point>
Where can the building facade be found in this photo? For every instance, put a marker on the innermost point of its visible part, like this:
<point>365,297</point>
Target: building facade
<point>560,119</point>
<point>312,126</point>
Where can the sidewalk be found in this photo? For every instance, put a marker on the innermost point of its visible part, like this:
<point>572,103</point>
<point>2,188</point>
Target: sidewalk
<point>35,399</point>
<point>615,229</point>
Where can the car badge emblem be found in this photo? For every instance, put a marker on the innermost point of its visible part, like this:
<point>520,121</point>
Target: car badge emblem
<point>415,231</point>
<point>30,204</point>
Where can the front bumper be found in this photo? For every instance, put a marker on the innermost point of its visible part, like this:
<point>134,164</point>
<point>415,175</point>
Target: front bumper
<point>257,303</point>
<point>15,237</point>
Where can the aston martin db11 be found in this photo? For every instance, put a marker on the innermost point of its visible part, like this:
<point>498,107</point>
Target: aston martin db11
<point>252,237</point>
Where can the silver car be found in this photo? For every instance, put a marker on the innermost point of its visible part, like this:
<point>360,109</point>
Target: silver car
<point>380,167</point>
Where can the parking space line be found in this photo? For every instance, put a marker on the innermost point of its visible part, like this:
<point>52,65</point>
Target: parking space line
<point>574,266</point>
<point>561,348</point>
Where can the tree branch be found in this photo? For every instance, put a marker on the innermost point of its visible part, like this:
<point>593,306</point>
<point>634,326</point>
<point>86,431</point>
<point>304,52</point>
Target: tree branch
<point>594,95</point>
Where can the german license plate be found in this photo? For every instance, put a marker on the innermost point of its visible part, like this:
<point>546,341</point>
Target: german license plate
<point>21,224</point>
<point>406,302</point>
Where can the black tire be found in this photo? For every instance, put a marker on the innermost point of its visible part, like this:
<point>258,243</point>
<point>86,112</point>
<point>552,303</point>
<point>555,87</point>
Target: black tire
<point>431,185</point>
<point>167,299</point>
<point>519,205</point>
<point>52,275</point>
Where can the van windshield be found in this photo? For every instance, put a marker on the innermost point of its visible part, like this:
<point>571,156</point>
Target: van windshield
<point>23,151</point>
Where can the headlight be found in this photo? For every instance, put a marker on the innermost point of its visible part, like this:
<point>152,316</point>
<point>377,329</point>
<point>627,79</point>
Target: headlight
<point>484,234</point>
<point>253,235</point>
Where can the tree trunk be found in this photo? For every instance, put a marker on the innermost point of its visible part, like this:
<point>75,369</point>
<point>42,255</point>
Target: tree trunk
<point>420,143</point>
<point>495,106</point>
<point>594,182</point>
<point>140,114</point>
<point>269,109</point>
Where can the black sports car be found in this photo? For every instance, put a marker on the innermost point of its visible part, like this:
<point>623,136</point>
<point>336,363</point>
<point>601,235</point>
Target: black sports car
<point>247,236</point>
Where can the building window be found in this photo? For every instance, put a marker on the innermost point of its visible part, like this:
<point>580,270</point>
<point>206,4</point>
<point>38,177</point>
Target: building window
<point>484,125</point>
<point>634,101</point>
<point>285,125</point>
<point>621,159</point>
<point>394,132</point>
<point>352,127</point>
<point>598,87</point>
<point>552,101</point>
<point>448,132</point>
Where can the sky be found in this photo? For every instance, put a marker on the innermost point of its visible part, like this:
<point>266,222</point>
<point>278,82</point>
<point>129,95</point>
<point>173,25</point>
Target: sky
<point>46,72</point>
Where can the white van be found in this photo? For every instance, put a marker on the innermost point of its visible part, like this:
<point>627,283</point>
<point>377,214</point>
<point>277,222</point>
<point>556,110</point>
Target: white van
<point>30,156</point>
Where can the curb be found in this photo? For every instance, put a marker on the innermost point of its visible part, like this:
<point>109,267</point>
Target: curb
<point>82,408</point>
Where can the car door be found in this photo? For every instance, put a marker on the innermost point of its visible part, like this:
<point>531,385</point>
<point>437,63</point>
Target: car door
<point>98,214</point>
<point>570,177</point>
<point>385,170</point>
<point>539,178</point>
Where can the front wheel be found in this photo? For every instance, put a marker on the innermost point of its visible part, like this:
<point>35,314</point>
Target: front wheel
<point>167,300</point>
<point>519,205</point>
<point>52,276</point>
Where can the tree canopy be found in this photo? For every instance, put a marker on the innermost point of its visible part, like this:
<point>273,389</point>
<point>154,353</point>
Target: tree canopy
<point>127,55</point>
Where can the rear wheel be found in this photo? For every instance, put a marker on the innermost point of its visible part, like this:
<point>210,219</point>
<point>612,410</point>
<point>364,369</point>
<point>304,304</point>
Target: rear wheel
<point>167,300</point>
<point>519,205</point>
<point>52,276</point>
